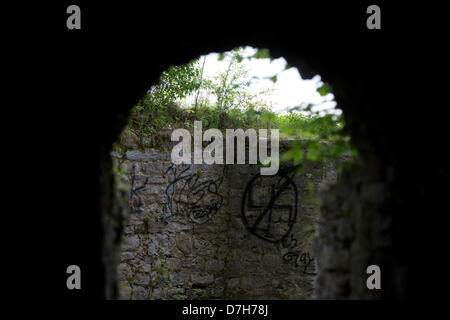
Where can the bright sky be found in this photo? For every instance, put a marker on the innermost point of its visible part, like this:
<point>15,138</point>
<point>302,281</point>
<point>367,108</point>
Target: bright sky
<point>290,89</point>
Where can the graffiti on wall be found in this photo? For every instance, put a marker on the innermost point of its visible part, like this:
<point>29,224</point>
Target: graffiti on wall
<point>135,199</point>
<point>267,216</point>
<point>299,258</point>
<point>269,211</point>
<point>188,194</point>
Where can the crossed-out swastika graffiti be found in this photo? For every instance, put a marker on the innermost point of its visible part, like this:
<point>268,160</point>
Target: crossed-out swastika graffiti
<point>269,211</point>
<point>268,216</point>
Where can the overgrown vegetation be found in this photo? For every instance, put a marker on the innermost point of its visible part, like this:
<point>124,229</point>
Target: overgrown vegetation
<point>225,102</point>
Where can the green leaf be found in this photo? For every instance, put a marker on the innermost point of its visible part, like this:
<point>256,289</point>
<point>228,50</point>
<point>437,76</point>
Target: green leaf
<point>297,157</point>
<point>313,151</point>
<point>262,54</point>
<point>324,90</point>
<point>274,78</point>
<point>287,155</point>
<point>221,56</point>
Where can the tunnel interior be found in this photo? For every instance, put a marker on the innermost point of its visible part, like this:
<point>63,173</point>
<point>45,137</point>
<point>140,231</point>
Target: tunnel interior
<point>345,208</point>
<point>220,231</point>
<point>365,217</point>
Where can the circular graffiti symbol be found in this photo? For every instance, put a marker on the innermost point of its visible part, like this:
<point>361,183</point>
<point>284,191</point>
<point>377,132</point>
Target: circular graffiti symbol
<point>269,207</point>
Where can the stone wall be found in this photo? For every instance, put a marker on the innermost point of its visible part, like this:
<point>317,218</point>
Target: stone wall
<point>355,231</point>
<point>217,231</point>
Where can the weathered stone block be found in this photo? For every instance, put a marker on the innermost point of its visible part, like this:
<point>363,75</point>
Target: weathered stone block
<point>125,290</point>
<point>214,266</point>
<point>130,243</point>
<point>140,293</point>
<point>201,279</point>
<point>142,280</point>
<point>184,243</point>
<point>125,256</point>
<point>233,283</point>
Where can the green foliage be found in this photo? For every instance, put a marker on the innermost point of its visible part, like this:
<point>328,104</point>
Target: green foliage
<point>317,138</point>
<point>160,108</point>
<point>298,291</point>
<point>225,102</point>
<point>324,89</point>
<point>230,88</point>
<point>262,54</point>
<point>118,173</point>
<point>157,109</point>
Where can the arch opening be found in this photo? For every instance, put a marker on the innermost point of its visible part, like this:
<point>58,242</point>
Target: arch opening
<point>224,231</point>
